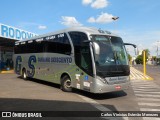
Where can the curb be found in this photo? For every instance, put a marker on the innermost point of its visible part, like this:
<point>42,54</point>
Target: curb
<point>7,72</point>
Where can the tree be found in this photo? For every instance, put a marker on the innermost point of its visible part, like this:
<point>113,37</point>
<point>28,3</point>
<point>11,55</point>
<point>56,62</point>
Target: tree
<point>154,58</point>
<point>139,59</point>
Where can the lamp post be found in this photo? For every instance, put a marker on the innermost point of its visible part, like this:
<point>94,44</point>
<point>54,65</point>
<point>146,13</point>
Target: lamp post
<point>157,52</point>
<point>144,62</point>
<point>157,48</point>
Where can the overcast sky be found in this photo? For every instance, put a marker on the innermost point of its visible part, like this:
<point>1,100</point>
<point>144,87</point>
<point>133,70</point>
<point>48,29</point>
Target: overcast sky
<point>138,23</point>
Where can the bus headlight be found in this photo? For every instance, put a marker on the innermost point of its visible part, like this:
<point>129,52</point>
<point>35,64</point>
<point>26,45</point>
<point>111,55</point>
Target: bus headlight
<point>101,79</point>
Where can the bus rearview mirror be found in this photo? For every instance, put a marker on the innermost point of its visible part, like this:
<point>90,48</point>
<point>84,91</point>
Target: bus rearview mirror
<point>131,44</point>
<point>135,47</point>
<point>96,50</point>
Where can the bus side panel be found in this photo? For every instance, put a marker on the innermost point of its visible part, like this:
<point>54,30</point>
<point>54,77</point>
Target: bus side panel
<point>20,62</point>
<point>50,67</point>
<point>81,80</point>
<point>44,66</point>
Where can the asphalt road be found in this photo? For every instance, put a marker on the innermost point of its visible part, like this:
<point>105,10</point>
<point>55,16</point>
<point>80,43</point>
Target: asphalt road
<point>151,70</point>
<point>17,94</point>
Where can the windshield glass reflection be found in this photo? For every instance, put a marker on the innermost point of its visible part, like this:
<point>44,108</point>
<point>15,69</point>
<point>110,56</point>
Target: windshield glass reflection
<point>112,50</point>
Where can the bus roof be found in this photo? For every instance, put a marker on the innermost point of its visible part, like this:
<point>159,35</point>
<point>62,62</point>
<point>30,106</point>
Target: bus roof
<point>87,30</point>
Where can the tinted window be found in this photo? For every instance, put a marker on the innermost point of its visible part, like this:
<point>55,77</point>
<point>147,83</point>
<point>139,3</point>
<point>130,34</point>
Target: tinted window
<point>58,44</point>
<point>63,45</point>
<point>34,47</point>
<point>82,52</point>
<point>78,37</point>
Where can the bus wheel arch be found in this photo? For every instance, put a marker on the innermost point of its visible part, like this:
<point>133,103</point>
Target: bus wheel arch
<point>65,82</point>
<point>24,74</point>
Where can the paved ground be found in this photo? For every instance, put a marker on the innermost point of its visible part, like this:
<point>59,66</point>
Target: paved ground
<point>147,91</point>
<point>136,74</point>
<point>32,95</point>
<point>151,70</point>
<point>19,95</point>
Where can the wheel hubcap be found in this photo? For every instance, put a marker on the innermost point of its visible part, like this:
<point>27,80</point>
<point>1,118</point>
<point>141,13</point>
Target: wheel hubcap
<point>24,75</point>
<point>68,84</point>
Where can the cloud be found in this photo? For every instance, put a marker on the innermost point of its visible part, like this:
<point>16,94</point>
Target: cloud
<point>30,25</point>
<point>26,24</point>
<point>92,20</point>
<point>86,2</point>
<point>156,43</point>
<point>103,18</point>
<point>70,21</point>
<point>155,46</point>
<point>42,27</point>
<point>97,4</point>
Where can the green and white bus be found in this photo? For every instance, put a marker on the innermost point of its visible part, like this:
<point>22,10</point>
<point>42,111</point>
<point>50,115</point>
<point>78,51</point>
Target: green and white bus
<point>81,57</point>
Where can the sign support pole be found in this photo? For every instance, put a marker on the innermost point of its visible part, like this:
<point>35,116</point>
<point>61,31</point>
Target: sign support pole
<point>144,62</point>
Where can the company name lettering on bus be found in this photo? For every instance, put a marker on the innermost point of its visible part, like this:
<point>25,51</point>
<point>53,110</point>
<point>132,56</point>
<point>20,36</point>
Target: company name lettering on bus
<point>55,59</point>
<point>54,36</point>
<point>14,33</point>
<point>117,78</point>
<point>50,37</point>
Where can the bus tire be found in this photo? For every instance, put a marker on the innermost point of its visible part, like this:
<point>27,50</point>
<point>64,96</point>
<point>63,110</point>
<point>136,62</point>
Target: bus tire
<point>24,75</point>
<point>66,84</point>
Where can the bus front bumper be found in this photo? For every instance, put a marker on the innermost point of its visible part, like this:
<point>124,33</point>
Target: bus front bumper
<point>101,87</point>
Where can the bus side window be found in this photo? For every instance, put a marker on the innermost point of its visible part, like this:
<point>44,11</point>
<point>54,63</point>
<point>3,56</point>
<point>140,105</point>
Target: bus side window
<point>45,46</point>
<point>63,45</point>
<point>60,45</point>
<point>82,52</point>
<point>52,45</point>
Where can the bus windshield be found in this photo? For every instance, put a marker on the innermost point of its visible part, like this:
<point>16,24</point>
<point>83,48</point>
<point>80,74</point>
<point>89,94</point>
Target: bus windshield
<point>112,50</point>
<point>112,58</point>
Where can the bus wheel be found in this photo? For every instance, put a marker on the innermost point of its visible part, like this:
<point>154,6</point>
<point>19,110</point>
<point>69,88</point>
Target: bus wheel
<point>24,75</point>
<point>66,84</point>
